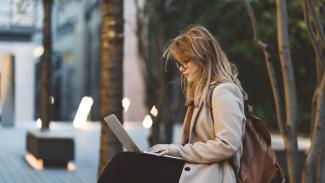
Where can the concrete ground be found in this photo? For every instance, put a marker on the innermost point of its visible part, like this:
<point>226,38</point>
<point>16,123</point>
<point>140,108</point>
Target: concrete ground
<point>14,169</point>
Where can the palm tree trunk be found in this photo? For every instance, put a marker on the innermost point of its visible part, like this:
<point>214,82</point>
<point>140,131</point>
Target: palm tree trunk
<point>289,89</point>
<point>46,67</point>
<point>111,91</point>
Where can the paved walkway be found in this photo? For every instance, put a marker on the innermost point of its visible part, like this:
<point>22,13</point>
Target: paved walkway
<point>14,169</point>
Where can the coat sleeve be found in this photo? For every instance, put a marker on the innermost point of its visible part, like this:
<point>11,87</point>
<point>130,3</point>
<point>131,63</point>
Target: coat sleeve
<point>228,118</point>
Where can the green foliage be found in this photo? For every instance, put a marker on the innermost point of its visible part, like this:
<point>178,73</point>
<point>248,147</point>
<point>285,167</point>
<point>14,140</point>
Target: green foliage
<point>229,22</point>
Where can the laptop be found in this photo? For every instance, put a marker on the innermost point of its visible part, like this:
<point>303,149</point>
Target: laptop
<point>115,125</point>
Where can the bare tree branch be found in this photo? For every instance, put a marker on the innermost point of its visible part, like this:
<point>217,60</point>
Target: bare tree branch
<point>318,25</point>
<point>312,35</point>
<point>317,137</point>
<point>287,133</point>
<point>289,88</point>
<point>316,34</point>
<point>270,68</point>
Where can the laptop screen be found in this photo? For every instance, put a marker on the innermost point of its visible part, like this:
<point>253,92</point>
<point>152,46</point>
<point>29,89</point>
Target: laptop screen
<point>115,125</point>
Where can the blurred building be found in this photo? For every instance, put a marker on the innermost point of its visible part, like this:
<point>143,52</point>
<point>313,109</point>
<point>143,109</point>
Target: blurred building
<point>134,88</point>
<point>76,29</point>
<point>69,42</point>
<point>77,39</point>
<point>19,21</point>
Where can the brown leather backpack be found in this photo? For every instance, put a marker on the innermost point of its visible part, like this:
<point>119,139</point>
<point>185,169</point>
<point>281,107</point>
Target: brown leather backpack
<point>258,163</point>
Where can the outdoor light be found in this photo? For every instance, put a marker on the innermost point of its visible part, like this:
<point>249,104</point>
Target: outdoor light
<point>39,123</point>
<point>38,164</point>
<point>154,111</point>
<point>147,122</point>
<point>82,112</point>
<point>38,51</point>
<point>71,167</point>
<point>35,163</point>
<point>126,103</point>
<point>52,100</point>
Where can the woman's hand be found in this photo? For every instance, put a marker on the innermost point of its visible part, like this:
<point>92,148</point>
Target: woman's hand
<point>160,149</point>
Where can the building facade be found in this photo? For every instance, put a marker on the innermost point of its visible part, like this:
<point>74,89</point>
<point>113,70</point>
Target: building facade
<point>78,40</point>
<point>20,20</point>
<point>76,35</point>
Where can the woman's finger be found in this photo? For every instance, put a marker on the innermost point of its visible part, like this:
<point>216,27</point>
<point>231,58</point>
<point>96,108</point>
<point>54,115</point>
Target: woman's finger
<point>156,149</point>
<point>164,152</point>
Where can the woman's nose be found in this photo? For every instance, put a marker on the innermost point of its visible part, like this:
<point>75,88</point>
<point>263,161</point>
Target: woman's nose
<point>181,69</point>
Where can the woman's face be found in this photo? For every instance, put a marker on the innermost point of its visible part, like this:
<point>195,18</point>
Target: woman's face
<point>188,69</point>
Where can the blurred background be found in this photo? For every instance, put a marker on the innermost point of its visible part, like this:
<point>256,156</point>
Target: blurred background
<point>147,93</point>
<point>76,32</point>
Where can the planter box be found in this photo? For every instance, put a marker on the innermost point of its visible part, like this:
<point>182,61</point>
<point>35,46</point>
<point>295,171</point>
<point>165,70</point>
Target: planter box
<point>53,148</point>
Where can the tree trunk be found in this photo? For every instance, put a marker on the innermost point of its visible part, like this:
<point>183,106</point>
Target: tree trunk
<point>45,75</point>
<point>269,66</point>
<point>151,18</point>
<point>318,135</point>
<point>156,136</point>
<point>142,32</point>
<point>111,91</point>
<point>322,164</point>
<point>289,90</point>
<point>314,166</point>
<point>159,133</point>
<point>142,21</point>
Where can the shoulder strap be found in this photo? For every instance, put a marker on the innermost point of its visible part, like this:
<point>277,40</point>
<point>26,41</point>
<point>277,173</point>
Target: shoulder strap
<point>209,99</point>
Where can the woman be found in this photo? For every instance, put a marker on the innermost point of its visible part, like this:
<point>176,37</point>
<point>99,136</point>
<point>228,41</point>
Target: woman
<point>214,124</point>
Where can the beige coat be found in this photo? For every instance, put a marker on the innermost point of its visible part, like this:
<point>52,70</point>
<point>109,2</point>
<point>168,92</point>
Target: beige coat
<point>213,142</point>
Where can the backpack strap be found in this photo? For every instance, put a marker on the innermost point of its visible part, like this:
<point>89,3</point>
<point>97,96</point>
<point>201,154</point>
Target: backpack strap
<point>209,99</point>
<point>209,96</point>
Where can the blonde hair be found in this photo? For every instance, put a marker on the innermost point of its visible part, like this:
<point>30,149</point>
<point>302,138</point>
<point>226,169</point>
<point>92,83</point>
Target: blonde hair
<point>197,44</point>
